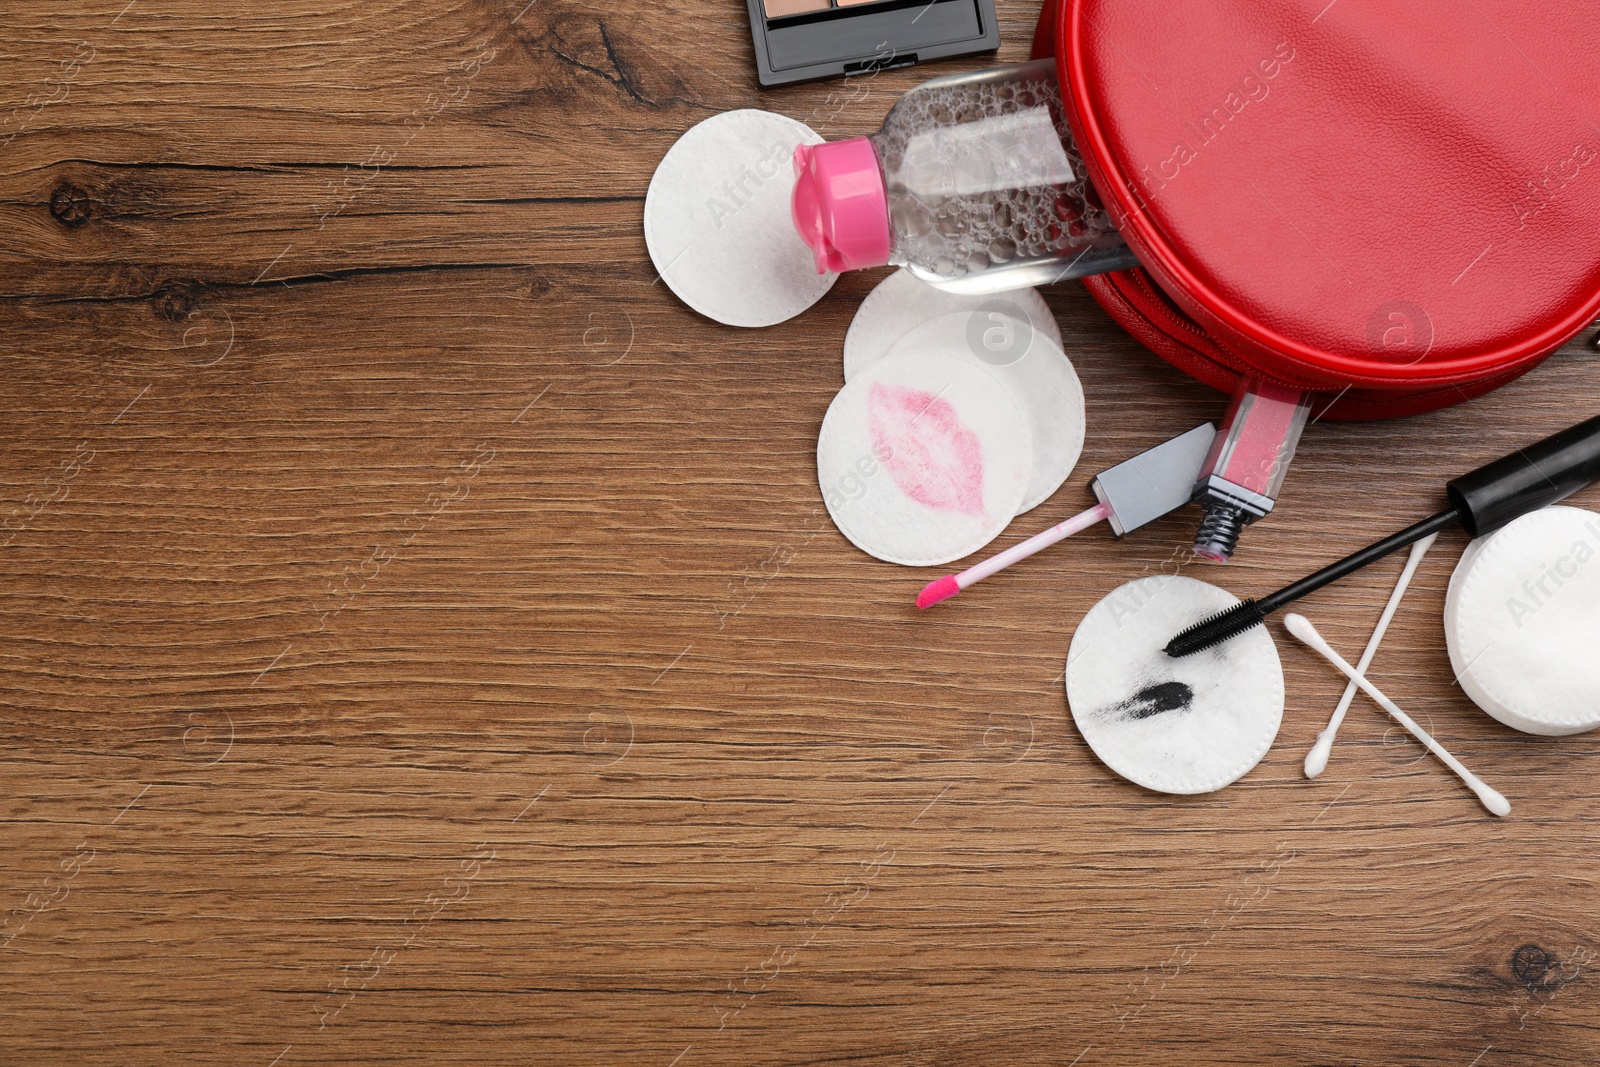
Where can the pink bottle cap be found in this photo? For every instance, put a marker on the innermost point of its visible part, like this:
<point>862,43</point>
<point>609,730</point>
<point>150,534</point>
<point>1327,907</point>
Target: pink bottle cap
<point>840,207</point>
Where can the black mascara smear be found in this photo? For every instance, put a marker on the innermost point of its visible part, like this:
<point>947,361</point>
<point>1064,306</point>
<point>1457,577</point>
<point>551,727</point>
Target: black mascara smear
<point>1153,700</point>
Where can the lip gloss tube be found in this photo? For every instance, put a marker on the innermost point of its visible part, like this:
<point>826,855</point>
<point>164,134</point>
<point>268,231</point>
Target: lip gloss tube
<point>1247,464</point>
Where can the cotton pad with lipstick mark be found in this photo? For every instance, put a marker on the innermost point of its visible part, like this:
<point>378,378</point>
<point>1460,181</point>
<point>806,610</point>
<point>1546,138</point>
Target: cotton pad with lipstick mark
<point>901,303</point>
<point>718,226</point>
<point>923,459</point>
<point>1036,373</point>
<point>1522,622</point>
<point>1190,725</point>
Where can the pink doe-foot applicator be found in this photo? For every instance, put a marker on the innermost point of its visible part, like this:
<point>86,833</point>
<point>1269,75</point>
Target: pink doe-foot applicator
<point>1132,494</point>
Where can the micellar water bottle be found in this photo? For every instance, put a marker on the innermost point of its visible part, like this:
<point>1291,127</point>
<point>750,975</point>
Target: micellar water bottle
<point>973,184</point>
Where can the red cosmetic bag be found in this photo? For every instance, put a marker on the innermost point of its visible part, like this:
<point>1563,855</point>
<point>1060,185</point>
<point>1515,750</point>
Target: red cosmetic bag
<point>1396,203</point>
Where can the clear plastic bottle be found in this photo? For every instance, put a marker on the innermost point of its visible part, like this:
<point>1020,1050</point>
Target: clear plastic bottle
<point>973,184</point>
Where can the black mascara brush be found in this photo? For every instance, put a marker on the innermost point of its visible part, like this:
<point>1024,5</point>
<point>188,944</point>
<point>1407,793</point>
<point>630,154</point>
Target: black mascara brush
<point>1481,502</point>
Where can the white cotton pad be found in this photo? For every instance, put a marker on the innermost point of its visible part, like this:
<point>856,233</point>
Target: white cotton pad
<point>1187,725</point>
<point>1041,382</point>
<point>901,303</point>
<point>718,225</point>
<point>923,459</point>
<point>1522,622</point>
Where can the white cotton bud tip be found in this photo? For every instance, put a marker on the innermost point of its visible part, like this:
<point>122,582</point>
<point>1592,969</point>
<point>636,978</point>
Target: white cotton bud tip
<point>1492,800</point>
<point>1301,628</point>
<point>1317,758</point>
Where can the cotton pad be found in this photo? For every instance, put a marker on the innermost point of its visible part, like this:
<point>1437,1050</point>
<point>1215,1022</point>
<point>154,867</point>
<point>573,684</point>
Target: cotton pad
<point>717,220</point>
<point>923,459</point>
<point>1522,622</point>
<point>1002,327</point>
<point>1189,725</point>
<point>1041,382</point>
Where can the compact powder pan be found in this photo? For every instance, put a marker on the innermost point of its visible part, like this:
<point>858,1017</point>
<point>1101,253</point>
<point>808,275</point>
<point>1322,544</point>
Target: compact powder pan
<point>798,40</point>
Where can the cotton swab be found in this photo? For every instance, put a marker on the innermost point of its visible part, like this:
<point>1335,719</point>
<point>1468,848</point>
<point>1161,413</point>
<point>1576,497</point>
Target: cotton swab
<point>1301,627</point>
<point>1317,758</point>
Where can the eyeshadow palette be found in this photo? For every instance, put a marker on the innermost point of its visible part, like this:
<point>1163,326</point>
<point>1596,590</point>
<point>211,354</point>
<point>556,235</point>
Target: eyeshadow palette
<point>798,40</point>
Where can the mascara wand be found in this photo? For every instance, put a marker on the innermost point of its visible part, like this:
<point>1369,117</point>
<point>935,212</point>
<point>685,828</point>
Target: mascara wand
<point>1481,503</point>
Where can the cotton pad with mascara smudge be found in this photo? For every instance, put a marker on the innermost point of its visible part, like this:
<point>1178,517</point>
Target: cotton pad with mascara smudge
<point>901,303</point>
<point>1041,382</point>
<point>923,459</point>
<point>1522,622</point>
<point>1189,725</point>
<point>717,220</point>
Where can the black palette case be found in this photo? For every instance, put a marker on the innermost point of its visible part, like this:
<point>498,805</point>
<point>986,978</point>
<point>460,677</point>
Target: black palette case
<point>865,37</point>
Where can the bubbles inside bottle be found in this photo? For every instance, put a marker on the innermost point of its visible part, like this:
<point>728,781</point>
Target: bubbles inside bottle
<point>984,174</point>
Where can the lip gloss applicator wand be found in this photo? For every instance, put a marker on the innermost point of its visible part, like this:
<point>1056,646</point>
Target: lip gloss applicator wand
<point>1134,493</point>
<point>1480,503</point>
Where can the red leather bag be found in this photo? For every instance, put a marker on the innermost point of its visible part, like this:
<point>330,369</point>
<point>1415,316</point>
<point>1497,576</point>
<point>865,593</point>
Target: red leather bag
<point>1396,203</point>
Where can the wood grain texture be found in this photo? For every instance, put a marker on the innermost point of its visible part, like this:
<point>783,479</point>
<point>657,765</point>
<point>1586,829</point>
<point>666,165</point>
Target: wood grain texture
<point>423,641</point>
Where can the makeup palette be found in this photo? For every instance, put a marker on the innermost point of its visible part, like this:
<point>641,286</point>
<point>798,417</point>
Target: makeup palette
<point>799,40</point>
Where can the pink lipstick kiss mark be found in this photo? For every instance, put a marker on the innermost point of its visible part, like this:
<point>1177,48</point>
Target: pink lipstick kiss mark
<point>933,458</point>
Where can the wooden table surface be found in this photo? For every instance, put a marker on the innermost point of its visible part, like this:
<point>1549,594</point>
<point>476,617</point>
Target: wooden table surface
<point>423,640</point>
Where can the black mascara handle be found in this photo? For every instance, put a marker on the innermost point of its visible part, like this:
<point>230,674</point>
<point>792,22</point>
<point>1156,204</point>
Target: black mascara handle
<point>1528,479</point>
<point>1356,560</point>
